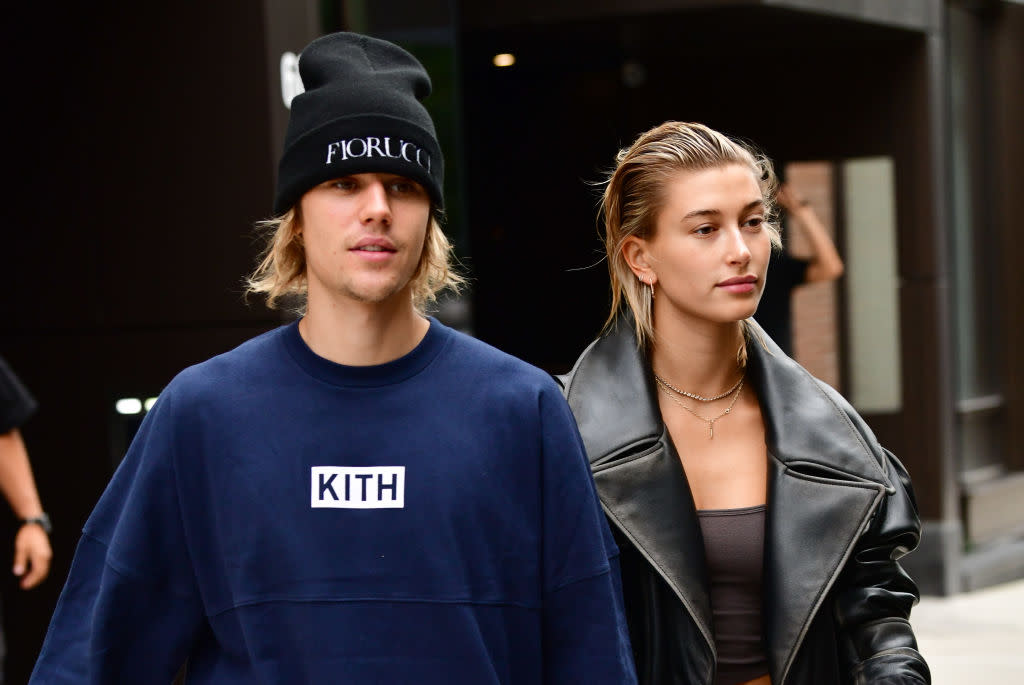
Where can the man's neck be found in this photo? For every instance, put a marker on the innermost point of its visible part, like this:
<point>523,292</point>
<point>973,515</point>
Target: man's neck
<point>363,334</point>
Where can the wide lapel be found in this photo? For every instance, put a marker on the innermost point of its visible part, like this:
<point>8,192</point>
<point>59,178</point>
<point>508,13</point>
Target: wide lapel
<point>613,398</point>
<point>824,484</point>
<point>805,549</point>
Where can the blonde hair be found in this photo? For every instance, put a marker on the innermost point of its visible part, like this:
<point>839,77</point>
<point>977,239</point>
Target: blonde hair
<point>281,273</point>
<point>633,196</point>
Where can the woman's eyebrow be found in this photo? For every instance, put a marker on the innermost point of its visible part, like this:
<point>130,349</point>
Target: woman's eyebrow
<point>714,212</point>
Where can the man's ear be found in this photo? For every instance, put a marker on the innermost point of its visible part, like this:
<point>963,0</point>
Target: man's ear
<point>635,252</point>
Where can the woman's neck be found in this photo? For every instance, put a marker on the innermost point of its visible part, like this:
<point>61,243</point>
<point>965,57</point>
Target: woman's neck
<point>697,358</point>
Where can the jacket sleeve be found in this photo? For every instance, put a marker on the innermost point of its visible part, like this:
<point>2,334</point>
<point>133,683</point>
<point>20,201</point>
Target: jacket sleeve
<point>130,609</point>
<point>585,638</point>
<point>874,595</point>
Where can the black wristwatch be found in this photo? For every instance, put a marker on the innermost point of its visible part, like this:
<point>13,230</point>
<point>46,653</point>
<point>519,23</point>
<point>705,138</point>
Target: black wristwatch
<point>43,521</point>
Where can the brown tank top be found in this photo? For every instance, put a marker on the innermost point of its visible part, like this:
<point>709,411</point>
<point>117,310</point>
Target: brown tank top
<point>734,549</point>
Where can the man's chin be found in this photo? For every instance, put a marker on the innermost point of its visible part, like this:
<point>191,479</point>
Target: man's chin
<point>380,295</point>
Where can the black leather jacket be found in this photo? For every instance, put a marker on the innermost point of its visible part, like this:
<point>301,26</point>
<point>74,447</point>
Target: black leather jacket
<point>840,514</point>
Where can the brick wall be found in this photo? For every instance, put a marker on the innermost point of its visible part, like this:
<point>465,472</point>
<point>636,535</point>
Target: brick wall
<point>815,305</point>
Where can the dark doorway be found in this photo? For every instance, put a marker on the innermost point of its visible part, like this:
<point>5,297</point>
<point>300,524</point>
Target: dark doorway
<point>540,134</point>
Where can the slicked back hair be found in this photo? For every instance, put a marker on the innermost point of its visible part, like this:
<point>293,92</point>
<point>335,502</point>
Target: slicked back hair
<point>634,195</point>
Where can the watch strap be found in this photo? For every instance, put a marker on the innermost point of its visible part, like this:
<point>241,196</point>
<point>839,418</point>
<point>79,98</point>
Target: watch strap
<point>42,520</point>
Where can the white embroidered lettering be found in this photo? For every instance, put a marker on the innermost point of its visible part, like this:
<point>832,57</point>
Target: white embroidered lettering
<point>331,149</point>
<point>381,147</point>
<point>402,150</point>
<point>420,162</point>
<point>348,147</point>
<point>371,145</point>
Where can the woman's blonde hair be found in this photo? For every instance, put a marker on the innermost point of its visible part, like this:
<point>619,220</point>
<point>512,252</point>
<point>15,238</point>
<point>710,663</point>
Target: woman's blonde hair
<point>281,273</point>
<point>633,196</point>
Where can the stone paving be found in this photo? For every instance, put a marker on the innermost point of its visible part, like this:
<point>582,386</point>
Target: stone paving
<point>973,638</point>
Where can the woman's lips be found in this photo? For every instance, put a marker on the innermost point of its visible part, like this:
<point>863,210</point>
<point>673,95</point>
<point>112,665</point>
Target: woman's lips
<point>741,284</point>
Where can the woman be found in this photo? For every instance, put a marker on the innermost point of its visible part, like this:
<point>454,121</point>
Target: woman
<point>759,519</point>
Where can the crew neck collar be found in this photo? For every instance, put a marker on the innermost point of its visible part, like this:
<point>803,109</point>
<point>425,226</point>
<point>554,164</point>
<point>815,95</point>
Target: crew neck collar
<point>391,372</point>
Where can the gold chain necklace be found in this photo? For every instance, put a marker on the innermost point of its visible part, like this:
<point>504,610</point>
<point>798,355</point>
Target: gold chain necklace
<point>694,396</point>
<point>710,422</point>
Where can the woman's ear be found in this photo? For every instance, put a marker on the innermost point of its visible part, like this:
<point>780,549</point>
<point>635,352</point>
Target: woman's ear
<point>635,252</point>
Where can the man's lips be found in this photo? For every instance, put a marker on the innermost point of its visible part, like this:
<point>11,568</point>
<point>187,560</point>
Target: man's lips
<point>374,245</point>
<point>374,249</point>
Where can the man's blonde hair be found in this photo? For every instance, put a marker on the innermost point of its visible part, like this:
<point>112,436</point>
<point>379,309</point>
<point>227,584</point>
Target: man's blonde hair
<point>634,194</point>
<point>281,273</point>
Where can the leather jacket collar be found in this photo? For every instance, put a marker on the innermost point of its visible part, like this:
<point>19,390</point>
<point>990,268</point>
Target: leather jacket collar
<point>826,479</point>
<point>612,392</point>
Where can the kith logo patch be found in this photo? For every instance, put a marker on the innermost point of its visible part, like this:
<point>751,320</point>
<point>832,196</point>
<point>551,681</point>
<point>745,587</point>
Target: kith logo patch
<point>358,487</point>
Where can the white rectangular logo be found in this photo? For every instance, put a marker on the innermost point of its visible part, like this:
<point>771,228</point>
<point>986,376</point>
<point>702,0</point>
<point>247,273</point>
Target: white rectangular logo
<point>358,487</point>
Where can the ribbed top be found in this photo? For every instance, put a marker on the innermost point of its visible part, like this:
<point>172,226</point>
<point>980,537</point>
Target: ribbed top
<point>734,549</point>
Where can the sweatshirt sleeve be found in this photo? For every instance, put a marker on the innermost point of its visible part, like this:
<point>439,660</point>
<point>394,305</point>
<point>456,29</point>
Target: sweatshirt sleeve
<point>585,634</point>
<point>130,608</point>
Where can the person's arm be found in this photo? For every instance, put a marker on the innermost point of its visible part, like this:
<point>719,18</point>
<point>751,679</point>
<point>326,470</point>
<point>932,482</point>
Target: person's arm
<point>131,607</point>
<point>586,640</point>
<point>32,551</point>
<point>825,264</point>
<point>874,595</point>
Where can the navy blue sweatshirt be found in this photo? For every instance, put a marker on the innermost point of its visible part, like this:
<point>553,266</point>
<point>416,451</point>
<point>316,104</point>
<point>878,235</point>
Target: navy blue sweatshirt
<point>283,519</point>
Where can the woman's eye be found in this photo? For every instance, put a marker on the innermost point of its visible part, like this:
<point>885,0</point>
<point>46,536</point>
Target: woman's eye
<point>755,222</point>
<point>704,230</point>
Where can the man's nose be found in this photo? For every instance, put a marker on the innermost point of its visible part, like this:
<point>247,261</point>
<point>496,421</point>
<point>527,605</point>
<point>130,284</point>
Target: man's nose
<point>376,206</point>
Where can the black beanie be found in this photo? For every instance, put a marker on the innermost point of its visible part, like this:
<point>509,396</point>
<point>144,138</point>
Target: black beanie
<point>360,113</point>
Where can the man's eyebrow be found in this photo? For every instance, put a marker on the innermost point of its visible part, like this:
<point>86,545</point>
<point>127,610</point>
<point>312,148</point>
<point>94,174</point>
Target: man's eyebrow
<point>714,212</point>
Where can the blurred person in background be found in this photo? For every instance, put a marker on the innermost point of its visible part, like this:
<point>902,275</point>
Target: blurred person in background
<point>760,523</point>
<point>32,551</point>
<point>364,495</point>
<point>786,272</point>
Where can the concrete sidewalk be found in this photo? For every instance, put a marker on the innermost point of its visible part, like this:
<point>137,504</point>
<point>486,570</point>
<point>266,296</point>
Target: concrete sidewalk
<point>974,637</point>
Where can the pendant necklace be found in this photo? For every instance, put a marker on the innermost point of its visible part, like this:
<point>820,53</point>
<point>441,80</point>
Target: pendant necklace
<point>668,390</point>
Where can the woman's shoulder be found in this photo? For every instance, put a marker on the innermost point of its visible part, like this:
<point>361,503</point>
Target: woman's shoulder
<point>614,354</point>
<point>810,421</point>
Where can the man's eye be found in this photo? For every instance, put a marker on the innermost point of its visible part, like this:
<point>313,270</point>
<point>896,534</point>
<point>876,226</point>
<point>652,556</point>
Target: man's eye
<point>344,184</point>
<point>403,187</point>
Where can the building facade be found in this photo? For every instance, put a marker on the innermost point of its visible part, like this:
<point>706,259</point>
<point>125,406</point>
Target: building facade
<point>144,158</point>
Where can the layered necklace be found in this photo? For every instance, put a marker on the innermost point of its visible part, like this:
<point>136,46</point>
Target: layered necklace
<point>674,393</point>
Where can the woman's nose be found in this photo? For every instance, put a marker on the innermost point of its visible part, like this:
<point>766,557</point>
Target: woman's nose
<point>739,251</point>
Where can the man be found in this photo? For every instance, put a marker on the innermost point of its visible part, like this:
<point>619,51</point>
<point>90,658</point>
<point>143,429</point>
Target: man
<point>365,496</point>
<point>787,272</point>
<point>32,551</point>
